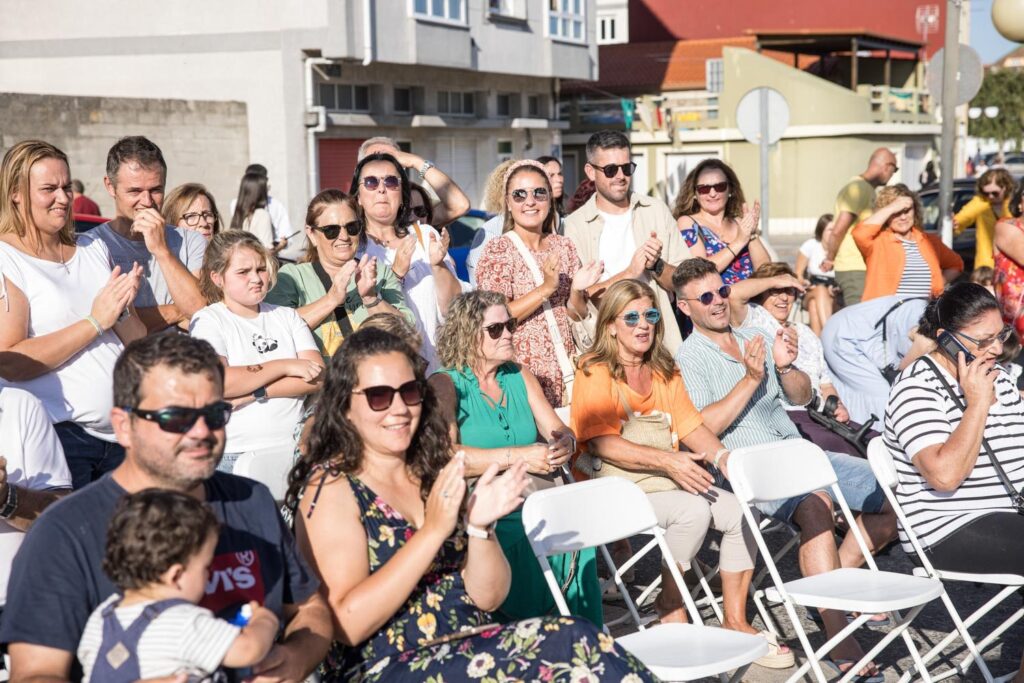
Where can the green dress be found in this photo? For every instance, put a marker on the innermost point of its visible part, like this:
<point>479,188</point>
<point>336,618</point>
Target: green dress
<point>482,424</point>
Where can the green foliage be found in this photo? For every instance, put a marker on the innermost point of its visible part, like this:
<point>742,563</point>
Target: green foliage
<point>1003,89</point>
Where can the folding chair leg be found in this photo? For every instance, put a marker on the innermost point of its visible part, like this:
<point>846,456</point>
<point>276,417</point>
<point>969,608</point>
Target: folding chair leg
<point>912,647</point>
<point>762,608</point>
<point>702,582</point>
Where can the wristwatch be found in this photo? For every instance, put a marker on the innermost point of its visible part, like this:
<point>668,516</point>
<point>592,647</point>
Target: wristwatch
<point>11,503</point>
<point>658,267</point>
<point>260,395</point>
<point>376,300</point>
<point>427,165</point>
<point>480,532</point>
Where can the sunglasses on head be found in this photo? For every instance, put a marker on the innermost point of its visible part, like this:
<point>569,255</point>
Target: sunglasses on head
<point>707,297</point>
<point>372,182</point>
<point>717,187</point>
<point>632,318</point>
<point>494,330</point>
<point>612,170</point>
<point>380,398</point>
<point>332,231</point>
<point>519,196</point>
<point>178,420</point>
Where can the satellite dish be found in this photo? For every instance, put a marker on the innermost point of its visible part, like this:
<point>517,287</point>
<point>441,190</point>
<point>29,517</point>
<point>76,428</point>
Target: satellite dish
<point>968,77</point>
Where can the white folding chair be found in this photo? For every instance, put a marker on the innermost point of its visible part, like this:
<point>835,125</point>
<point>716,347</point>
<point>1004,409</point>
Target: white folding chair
<point>592,513</point>
<point>794,467</point>
<point>271,471</point>
<point>885,471</point>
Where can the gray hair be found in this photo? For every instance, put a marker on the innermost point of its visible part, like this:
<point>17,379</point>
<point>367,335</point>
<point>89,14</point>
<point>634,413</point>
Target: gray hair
<point>377,140</point>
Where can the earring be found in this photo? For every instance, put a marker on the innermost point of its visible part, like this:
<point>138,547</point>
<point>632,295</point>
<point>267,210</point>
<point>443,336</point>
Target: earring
<point>613,335</point>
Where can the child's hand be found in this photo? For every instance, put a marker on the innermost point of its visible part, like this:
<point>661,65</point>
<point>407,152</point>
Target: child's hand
<point>261,613</point>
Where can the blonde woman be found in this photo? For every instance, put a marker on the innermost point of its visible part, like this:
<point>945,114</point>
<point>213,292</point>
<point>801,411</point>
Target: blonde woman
<point>494,202</point>
<point>192,206</point>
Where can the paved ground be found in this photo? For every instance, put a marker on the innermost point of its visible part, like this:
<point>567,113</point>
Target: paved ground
<point>930,626</point>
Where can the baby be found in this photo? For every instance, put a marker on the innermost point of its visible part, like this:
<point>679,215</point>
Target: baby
<point>159,548</point>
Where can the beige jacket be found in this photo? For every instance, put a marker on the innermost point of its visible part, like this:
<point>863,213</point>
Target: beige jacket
<point>583,226</point>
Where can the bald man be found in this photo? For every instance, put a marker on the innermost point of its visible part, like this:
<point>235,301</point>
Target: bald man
<point>853,204</point>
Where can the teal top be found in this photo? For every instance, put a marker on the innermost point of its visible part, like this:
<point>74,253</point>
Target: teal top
<point>482,423</point>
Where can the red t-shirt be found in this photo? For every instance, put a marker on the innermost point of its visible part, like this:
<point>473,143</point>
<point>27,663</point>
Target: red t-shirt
<point>83,206</point>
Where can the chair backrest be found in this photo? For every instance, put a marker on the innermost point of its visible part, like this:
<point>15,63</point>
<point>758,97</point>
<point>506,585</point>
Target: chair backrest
<point>881,463</point>
<point>585,514</point>
<point>778,470</point>
<point>270,471</point>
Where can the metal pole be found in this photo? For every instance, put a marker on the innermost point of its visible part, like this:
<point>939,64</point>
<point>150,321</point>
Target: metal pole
<point>950,66</point>
<point>763,145</point>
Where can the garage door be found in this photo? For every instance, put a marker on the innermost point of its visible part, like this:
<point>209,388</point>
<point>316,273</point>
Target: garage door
<point>457,158</point>
<point>338,158</point>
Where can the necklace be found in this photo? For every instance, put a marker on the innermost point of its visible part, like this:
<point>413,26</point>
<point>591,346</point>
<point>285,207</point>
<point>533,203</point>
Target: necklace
<point>60,251</point>
<point>630,364</point>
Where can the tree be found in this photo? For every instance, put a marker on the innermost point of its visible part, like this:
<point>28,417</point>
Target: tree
<point>1004,89</point>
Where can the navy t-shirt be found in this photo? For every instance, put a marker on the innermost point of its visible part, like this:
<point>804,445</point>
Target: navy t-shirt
<point>57,579</point>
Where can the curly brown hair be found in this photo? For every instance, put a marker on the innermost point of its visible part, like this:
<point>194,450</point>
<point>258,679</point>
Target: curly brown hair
<point>890,193</point>
<point>686,201</point>
<point>458,340</point>
<point>334,443</point>
<point>999,176</point>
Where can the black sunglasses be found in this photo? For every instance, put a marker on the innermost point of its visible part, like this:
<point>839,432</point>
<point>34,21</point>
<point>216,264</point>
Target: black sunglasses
<point>707,297</point>
<point>612,170</point>
<point>372,182</point>
<point>494,330</point>
<point>717,187</point>
<point>793,292</point>
<point>539,193</point>
<point>178,420</point>
<point>632,318</point>
<point>332,231</point>
<point>380,398</point>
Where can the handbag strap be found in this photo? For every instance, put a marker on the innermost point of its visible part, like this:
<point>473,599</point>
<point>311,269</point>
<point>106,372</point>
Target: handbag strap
<point>1015,496</point>
<point>340,313</point>
<point>884,324</point>
<point>568,370</point>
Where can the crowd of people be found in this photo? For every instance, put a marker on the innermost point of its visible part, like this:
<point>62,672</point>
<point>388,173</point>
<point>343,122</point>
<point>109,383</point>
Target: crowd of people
<point>601,333</point>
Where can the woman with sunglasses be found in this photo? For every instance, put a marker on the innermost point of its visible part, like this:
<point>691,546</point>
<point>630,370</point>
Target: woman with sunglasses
<point>627,376</point>
<point>332,289</point>
<point>270,360</point>
<point>192,206</point>
<point>420,207</point>
<point>989,205</point>
<point>540,274</point>
<point>716,222</point>
<point>902,258</point>
<point>408,562</point>
<point>497,414</point>
<point>415,251</point>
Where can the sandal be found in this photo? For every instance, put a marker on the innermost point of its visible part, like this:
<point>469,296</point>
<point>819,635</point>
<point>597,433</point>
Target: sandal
<point>836,665</point>
<point>779,656</point>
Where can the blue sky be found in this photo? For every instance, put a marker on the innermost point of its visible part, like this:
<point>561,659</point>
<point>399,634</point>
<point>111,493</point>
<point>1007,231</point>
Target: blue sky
<point>984,36</point>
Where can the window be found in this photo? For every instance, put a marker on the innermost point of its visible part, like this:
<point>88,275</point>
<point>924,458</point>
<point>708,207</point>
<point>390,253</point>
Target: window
<point>566,19</point>
<point>404,145</point>
<point>455,103</point>
<point>606,30</point>
<point>445,10</point>
<point>714,74</point>
<point>328,96</point>
<point>504,150</point>
<point>505,7</point>
<point>504,105</point>
<point>533,106</point>
<point>345,97</point>
<point>403,100</point>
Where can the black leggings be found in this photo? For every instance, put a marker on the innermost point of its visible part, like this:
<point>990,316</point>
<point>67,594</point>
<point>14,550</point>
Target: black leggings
<point>990,544</point>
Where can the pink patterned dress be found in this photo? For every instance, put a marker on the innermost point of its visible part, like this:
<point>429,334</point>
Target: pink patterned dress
<point>1009,286</point>
<point>501,269</point>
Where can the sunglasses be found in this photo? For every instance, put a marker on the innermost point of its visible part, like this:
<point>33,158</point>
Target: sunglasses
<point>707,297</point>
<point>420,211</point>
<point>651,315</point>
<point>983,344</point>
<point>612,170</point>
<point>539,193</point>
<point>993,195</point>
<point>380,398</point>
<point>332,231</point>
<point>717,187</point>
<point>793,292</point>
<point>178,420</point>
<point>372,182</point>
<point>494,330</point>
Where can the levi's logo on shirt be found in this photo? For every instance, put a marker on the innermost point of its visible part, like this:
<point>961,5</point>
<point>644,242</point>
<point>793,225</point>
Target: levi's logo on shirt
<point>234,580</point>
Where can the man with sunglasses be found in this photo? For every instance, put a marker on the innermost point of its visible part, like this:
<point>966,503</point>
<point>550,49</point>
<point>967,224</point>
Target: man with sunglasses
<point>740,380</point>
<point>170,419</point>
<point>634,235</point>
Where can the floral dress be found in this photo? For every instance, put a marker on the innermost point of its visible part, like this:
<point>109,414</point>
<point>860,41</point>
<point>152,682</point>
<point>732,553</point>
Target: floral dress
<point>422,640</point>
<point>501,269</point>
<point>741,268</point>
<point>1009,286</point>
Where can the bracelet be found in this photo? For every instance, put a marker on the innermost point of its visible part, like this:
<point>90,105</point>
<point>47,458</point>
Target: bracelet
<point>373,303</point>
<point>474,531</point>
<point>11,504</point>
<point>718,456</point>
<point>95,323</point>
<point>784,370</point>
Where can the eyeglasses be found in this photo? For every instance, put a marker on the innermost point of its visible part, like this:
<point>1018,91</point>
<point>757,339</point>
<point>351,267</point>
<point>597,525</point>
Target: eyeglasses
<point>983,344</point>
<point>494,330</point>
<point>178,420</point>
<point>332,231</point>
<point>519,196</point>
<point>793,292</point>
<point>192,219</point>
<point>380,398</point>
<point>707,297</point>
<point>420,211</point>
<point>632,318</point>
<point>717,187</point>
<point>372,182</point>
<point>612,170</point>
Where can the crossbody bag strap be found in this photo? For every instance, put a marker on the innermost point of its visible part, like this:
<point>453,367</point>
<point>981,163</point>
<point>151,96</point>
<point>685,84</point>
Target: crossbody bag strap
<point>884,324</point>
<point>1015,496</point>
<point>340,313</point>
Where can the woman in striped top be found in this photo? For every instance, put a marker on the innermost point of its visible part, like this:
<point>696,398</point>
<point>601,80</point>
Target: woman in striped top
<point>901,258</point>
<point>951,492</point>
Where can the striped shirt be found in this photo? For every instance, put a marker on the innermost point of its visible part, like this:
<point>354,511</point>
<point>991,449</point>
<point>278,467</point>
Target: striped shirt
<point>710,374</point>
<point>182,638</point>
<point>917,276</point>
<point>920,414</point>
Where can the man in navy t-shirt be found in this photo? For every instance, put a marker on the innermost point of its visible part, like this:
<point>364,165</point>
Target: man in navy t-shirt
<point>170,419</point>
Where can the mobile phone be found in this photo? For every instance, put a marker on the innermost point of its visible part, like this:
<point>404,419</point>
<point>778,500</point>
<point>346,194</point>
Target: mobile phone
<point>952,346</point>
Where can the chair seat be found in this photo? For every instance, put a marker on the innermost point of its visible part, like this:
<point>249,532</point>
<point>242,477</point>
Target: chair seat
<point>860,590</point>
<point>688,652</point>
<point>994,579</point>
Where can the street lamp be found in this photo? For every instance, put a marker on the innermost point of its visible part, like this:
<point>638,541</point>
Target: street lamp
<point>1008,18</point>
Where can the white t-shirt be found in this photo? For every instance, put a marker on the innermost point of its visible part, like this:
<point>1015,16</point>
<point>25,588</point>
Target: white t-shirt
<point>617,245</point>
<point>35,460</point>
<point>182,638</point>
<point>276,333</point>
<point>814,251</point>
<point>59,295</point>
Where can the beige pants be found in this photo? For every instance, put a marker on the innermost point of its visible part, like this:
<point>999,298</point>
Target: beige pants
<point>686,518</point>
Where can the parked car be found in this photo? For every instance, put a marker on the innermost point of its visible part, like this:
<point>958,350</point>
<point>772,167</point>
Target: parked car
<point>1012,162</point>
<point>963,191</point>
<point>462,233</point>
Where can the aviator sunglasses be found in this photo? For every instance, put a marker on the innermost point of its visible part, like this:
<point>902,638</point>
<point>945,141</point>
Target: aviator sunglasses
<point>717,187</point>
<point>519,196</point>
<point>372,182</point>
<point>494,329</point>
<point>178,420</point>
<point>380,398</point>
<point>707,297</point>
<point>632,318</point>
<point>332,231</point>
<point>611,170</point>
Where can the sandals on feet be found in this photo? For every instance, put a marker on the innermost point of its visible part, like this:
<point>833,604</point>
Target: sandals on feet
<point>779,656</point>
<point>836,665</point>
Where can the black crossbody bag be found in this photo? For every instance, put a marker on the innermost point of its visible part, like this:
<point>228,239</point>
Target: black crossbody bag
<point>1016,498</point>
<point>340,313</point>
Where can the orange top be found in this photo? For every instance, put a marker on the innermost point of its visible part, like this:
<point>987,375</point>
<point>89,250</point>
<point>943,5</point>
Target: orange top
<point>885,258</point>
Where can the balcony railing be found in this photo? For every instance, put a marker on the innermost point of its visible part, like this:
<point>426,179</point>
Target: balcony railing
<point>898,105</point>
